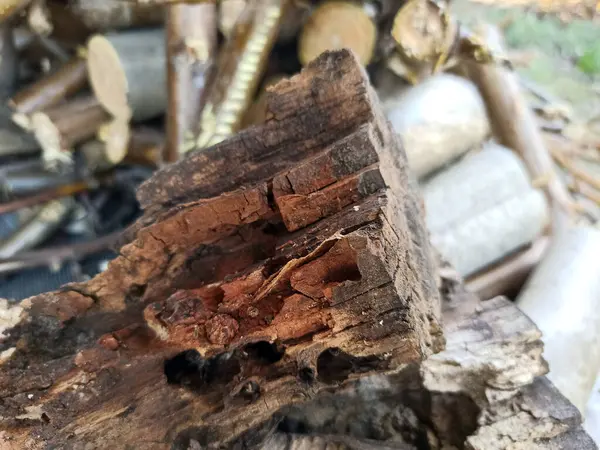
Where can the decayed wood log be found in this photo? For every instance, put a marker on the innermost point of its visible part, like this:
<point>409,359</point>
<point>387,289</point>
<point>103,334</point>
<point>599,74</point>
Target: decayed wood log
<point>485,391</point>
<point>191,33</point>
<point>48,91</point>
<point>127,72</point>
<point>222,309</point>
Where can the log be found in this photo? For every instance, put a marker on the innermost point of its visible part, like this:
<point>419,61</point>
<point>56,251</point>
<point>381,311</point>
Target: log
<point>221,315</point>
<point>438,120</point>
<point>191,33</point>
<point>48,91</point>
<point>485,391</point>
<point>83,17</point>
<point>239,70</point>
<point>60,128</point>
<point>145,147</point>
<point>9,62</point>
<point>127,73</point>
<point>334,25</point>
<point>562,298</point>
<point>475,221</point>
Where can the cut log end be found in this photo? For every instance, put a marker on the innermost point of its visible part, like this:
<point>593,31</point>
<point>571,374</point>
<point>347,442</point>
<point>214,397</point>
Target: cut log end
<point>336,25</point>
<point>49,137</point>
<point>116,135</point>
<point>107,77</point>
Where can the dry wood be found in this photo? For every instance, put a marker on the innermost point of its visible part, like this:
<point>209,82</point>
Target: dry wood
<point>9,62</point>
<point>240,316</point>
<point>476,220</point>
<point>508,276</point>
<point>38,18</point>
<point>127,73</point>
<point>191,32</point>
<point>515,126</point>
<point>239,69</point>
<point>49,91</point>
<point>338,24</point>
<point>485,391</point>
<point>438,120</point>
<point>58,129</point>
<point>83,17</point>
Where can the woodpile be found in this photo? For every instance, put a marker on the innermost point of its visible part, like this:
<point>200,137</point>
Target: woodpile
<point>285,225</point>
<point>254,316</point>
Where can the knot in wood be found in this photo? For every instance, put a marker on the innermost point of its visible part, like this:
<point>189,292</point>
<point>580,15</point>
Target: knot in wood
<point>221,329</point>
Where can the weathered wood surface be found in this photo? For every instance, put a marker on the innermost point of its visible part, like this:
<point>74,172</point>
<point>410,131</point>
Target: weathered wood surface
<point>216,314</point>
<point>485,391</point>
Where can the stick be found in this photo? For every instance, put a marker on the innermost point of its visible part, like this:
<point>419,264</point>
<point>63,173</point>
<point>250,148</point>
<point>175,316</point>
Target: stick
<point>37,230</point>
<point>48,91</point>
<point>191,34</point>
<point>239,70</point>
<point>127,73</point>
<point>112,14</point>
<point>60,128</point>
<point>515,126</point>
<point>9,62</point>
<point>66,190</point>
<point>508,276</point>
<point>574,170</point>
<point>58,254</point>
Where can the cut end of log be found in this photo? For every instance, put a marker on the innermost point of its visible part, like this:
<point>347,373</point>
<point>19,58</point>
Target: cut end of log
<point>49,137</point>
<point>336,25</point>
<point>22,120</point>
<point>115,135</point>
<point>107,77</point>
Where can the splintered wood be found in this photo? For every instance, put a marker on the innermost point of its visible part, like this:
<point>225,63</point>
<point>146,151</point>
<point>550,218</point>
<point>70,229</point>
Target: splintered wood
<point>285,260</point>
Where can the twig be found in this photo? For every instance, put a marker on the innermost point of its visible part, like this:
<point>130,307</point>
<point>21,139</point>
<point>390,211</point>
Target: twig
<point>574,170</point>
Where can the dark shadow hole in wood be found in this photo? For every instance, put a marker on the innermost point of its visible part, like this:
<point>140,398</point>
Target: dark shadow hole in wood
<point>191,370</point>
<point>263,352</point>
<point>344,273</point>
<point>307,374</point>
<point>335,366</point>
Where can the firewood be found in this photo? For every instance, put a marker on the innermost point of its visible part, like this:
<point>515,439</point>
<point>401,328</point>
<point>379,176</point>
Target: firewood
<point>127,73</point>
<point>338,24</point>
<point>562,298</point>
<point>110,147</point>
<point>438,120</point>
<point>215,310</point>
<point>239,69</point>
<point>87,16</point>
<point>488,384</point>
<point>48,91</point>
<point>191,32</point>
<point>476,220</point>
<point>8,62</point>
<point>58,129</point>
<point>145,147</point>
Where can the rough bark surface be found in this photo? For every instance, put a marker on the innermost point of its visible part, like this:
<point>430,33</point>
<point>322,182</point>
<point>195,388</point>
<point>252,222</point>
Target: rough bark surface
<point>223,306</point>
